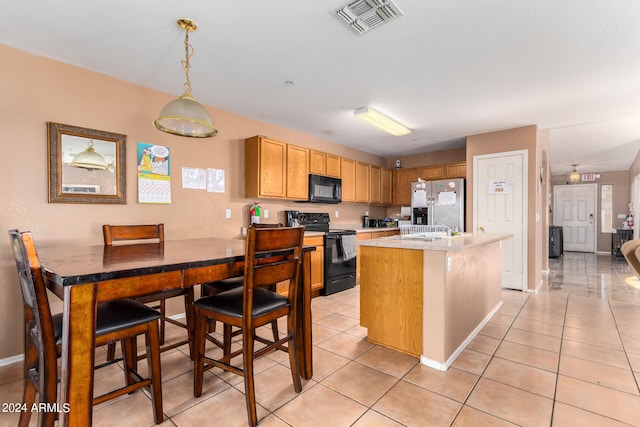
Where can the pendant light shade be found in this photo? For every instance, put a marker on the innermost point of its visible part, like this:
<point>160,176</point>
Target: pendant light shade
<point>575,176</point>
<point>185,116</point>
<point>89,159</point>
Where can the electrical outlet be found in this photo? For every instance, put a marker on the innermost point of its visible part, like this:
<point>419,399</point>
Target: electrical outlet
<point>244,231</point>
<point>448,263</point>
<point>266,213</point>
<point>227,213</point>
<point>337,214</point>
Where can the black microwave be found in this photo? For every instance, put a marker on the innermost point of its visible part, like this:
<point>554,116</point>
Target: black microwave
<point>324,189</point>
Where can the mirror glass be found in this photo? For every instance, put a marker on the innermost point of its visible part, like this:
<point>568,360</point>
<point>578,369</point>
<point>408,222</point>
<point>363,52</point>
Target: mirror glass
<point>606,203</point>
<point>88,178</point>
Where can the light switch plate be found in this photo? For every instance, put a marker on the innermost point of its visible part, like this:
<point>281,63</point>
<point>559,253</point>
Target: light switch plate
<point>266,213</point>
<point>227,213</point>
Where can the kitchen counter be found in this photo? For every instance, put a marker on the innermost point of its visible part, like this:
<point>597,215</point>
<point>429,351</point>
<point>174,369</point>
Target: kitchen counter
<point>429,299</point>
<point>453,244</point>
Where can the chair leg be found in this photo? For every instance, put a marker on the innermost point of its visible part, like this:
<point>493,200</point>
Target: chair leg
<point>111,351</point>
<point>153,362</point>
<point>163,310</point>
<point>226,337</point>
<point>28,398</point>
<point>274,330</point>
<point>199,347</point>
<point>188,312</point>
<point>293,356</point>
<point>249,386</point>
<point>129,355</point>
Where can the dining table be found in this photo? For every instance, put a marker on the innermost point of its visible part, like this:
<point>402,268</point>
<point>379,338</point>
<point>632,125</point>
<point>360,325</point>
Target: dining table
<point>82,276</point>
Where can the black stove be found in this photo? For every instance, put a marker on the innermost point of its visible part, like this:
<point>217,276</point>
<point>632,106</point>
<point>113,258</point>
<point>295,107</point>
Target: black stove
<point>339,250</point>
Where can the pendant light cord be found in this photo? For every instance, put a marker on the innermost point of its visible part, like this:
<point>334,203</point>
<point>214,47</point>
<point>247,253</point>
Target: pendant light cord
<point>188,53</point>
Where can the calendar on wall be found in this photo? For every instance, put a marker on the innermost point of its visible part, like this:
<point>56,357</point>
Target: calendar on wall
<point>154,178</point>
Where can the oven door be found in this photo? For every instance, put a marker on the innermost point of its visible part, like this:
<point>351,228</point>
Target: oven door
<point>334,260</point>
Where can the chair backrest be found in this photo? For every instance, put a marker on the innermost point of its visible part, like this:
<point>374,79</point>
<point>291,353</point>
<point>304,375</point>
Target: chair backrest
<point>273,255</point>
<point>263,225</point>
<point>40,342</point>
<point>113,233</point>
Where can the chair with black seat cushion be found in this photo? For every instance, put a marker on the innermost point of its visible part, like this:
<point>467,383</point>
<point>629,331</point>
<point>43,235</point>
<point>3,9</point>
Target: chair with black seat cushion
<point>157,300</point>
<point>120,320</point>
<point>272,255</point>
<point>213,288</point>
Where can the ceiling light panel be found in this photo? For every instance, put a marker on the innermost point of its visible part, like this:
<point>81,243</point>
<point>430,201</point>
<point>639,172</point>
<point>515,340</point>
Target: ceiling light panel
<point>364,15</point>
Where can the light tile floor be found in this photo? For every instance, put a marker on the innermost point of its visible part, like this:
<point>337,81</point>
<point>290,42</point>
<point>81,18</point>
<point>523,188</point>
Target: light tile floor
<point>566,356</point>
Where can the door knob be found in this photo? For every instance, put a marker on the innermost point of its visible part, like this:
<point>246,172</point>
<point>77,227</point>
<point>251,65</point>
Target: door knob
<point>481,228</point>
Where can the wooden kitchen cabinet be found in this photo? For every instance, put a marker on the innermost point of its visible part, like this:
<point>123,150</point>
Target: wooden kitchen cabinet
<point>297,172</point>
<point>275,169</point>
<point>362,182</point>
<point>455,170</point>
<point>368,236</point>
<point>317,261</point>
<point>386,189</point>
<point>333,165</point>
<point>402,179</point>
<point>317,162</point>
<point>265,171</point>
<point>375,183</point>
<point>348,175</point>
<point>430,173</point>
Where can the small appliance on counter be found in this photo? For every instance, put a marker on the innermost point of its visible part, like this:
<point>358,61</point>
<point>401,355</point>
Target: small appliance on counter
<point>291,218</point>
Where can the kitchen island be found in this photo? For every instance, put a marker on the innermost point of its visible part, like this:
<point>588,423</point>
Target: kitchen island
<point>429,298</point>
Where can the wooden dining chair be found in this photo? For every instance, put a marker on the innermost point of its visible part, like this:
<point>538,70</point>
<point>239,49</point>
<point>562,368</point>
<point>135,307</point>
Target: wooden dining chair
<point>272,255</point>
<point>120,320</point>
<point>156,300</point>
<point>213,288</point>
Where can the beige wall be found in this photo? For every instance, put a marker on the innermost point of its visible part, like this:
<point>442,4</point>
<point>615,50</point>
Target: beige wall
<point>36,90</point>
<point>621,194</point>
<point>537,144</point>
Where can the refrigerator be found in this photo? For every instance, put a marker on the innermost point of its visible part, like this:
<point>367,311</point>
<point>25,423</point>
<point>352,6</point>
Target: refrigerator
<point>438,202</point>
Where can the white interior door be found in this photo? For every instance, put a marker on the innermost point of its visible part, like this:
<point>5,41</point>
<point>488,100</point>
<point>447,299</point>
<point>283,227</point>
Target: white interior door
<point>500,206</point>
<point>574,209</point>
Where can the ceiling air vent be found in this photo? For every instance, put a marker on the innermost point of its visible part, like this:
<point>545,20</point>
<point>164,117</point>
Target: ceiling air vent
<point>364,15</point>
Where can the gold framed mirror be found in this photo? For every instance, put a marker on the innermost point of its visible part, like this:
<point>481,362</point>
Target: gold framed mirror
<point>86,165</point>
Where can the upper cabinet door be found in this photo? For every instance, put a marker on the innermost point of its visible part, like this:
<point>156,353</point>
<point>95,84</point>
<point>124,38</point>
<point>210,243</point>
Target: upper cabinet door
<point>265,167</point>
<point>430,173</point>
<point>375,182</point>
<point>317,162</point>
<point>386,189</point>
<point>456,170</point>
<point>333,165</point>
<point>348,174</point>
<point>402,179</point>
<point>362,182</point>
<point>297,172</point>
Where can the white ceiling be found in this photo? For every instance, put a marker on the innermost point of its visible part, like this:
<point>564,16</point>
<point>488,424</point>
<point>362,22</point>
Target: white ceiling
<point>446,69</point>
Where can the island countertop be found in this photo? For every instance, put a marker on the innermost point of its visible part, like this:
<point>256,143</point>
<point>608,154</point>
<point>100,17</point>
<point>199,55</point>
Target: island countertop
<point>446,244</point>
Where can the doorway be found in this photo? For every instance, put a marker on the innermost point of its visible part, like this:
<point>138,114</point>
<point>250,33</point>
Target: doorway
<point>500,206</point>
<point>574,209</point>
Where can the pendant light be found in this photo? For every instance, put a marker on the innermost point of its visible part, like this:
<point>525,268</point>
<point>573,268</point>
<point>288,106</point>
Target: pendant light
<point>89,159</point>
<point>575,176</point>
<point>185,116</point>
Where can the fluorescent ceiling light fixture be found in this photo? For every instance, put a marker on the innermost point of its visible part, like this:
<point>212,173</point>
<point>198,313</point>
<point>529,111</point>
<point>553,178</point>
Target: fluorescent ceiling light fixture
<point>379,120</point>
